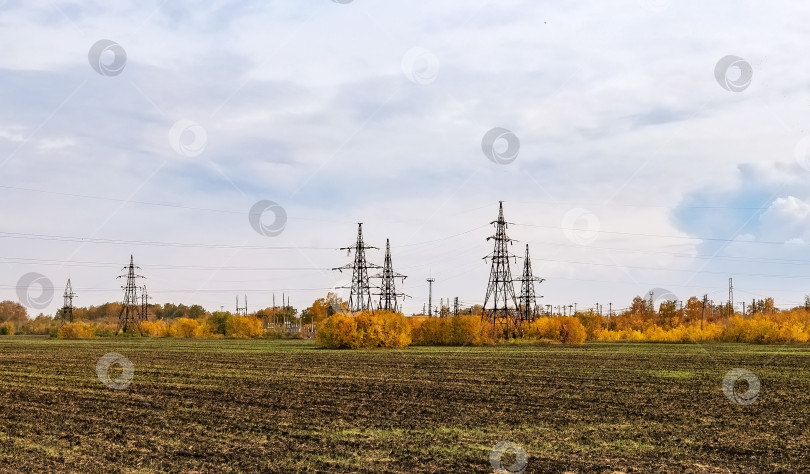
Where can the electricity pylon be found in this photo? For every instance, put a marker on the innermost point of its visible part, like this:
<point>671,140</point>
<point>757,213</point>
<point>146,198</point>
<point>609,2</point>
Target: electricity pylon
<point>360,290</point>
<point>66,315</point>
<point>131,310</point>
<point>500,290</point>
<point>527,302</point>
<point>388,289</point>
<point>144,304</point>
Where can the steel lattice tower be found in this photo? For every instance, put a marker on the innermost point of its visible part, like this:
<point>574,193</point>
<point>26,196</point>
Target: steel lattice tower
<point>144,304</point>
<point>67,307</point>
<point>528,300</point>
<point>131,310</point>
<point>360,291</point>
<point>388,289</point>
<point>500,290</point>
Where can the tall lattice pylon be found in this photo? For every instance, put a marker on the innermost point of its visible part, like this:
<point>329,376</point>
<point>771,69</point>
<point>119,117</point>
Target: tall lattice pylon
<point>388,288</point>
<point>500,290</point>
<point>527,301</point>
<point>360,290</point>
<point>66,314</point>
<point>132,309</point>
<point>144,304</point>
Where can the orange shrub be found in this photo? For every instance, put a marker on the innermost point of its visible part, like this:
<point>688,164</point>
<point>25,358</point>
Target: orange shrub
<point>157,328</point>
<point>453,331</point>
<point>338,331</point>
<point>76,330</point>
<point>243,327</point>
<point>383,329</point>
<point>7,329</point>
<point>366,329</point>
<point>565,329</point>
<point>186,328</point>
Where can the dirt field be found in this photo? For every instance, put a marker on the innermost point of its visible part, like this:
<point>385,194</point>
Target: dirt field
<point>286,406</point>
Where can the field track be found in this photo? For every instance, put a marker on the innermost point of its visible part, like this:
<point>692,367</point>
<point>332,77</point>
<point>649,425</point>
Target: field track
<point>286,406</point>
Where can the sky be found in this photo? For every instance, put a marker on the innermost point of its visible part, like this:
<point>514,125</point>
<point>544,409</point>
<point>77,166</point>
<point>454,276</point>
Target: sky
<point>638,146</point>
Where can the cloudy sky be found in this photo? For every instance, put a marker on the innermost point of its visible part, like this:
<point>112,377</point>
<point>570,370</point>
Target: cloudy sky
<point>152,129</point>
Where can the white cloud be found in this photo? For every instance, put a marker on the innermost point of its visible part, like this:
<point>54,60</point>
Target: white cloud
<point>616,108</point>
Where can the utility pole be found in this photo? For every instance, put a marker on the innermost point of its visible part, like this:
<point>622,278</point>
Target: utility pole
<point>455,306</point>
<point>360,296</point>
<point>731,297</point>
<point>500,290</point>
<point>131,314</point>
<point>703,313</point>
<point>610,310</point>
<point>430,296</point>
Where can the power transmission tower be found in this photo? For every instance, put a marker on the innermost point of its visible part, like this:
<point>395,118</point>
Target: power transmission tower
<point>66,315</point>
<point>500,289</point>
<point>455,306</point>
<point>131,313</point>
<point>360,295</point>
<point>527,300</point>
<point>388,289</point>
<point>144,304</point>
<point>430,296</point>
